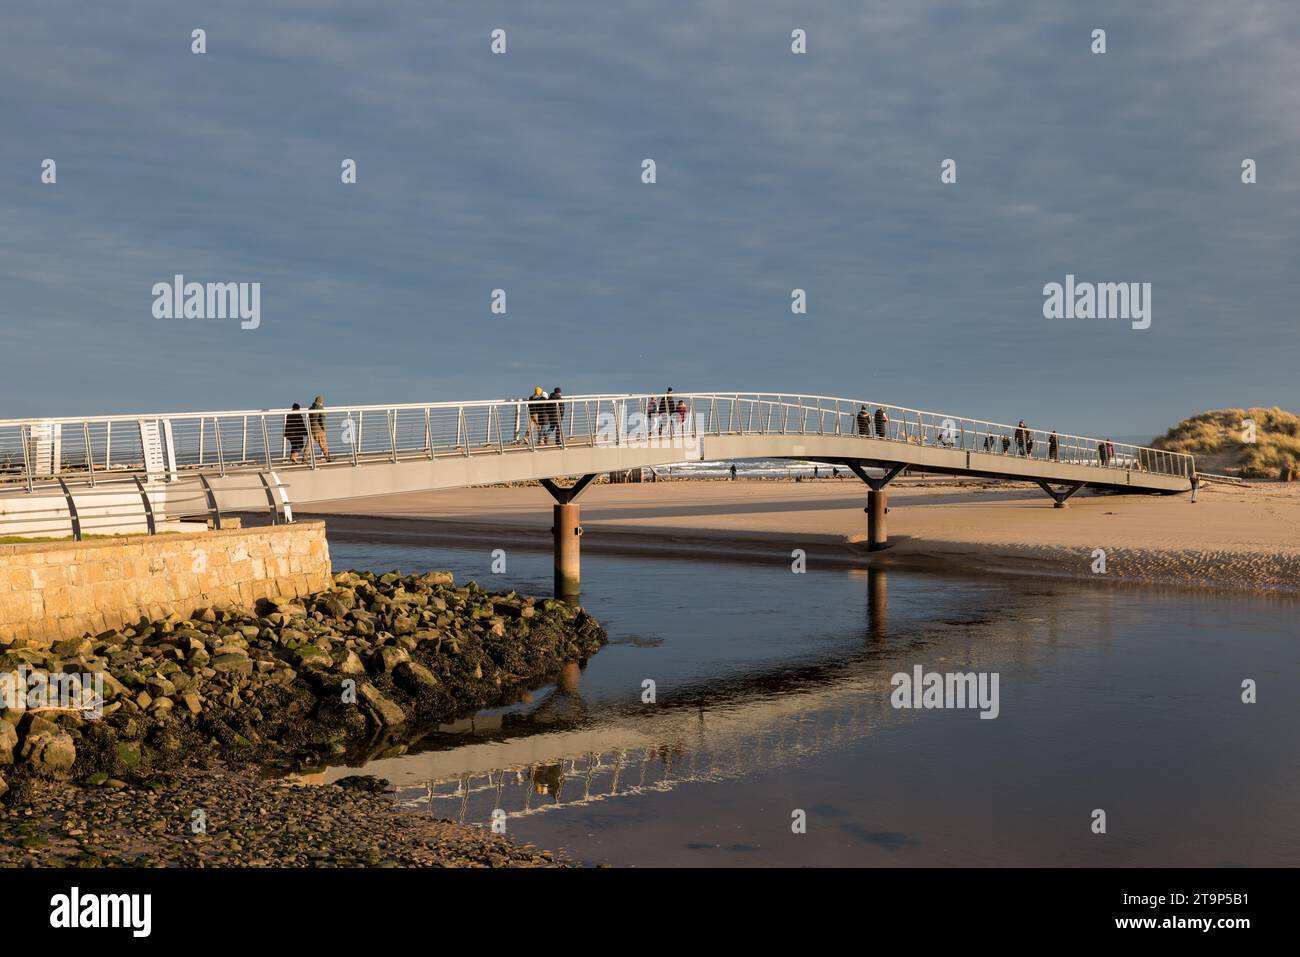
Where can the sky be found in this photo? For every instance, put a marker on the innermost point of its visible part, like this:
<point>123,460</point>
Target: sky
<point>775,171</point>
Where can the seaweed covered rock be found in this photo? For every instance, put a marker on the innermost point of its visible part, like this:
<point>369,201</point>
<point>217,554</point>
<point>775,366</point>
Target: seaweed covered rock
<point>365,664</point>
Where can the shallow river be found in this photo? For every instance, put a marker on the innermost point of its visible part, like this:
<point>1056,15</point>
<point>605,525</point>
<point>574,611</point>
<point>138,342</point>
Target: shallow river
<point>771,739</point>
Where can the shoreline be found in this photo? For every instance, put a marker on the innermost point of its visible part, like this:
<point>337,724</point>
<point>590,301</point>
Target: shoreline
<point>1234,540</point>
<point>825,550</point>
<point>208,712</point>
<point>248,821</point>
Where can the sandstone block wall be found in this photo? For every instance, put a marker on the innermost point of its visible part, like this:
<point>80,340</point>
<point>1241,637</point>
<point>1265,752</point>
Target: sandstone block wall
<point>53,590</point>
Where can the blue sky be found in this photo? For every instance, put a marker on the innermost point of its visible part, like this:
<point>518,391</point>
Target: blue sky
<point>775,171</point>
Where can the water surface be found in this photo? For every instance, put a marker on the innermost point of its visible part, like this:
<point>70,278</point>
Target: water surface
<point>772,697</point>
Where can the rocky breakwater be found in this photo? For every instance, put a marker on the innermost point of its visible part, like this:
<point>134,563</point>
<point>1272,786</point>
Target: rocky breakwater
<point>371,661</point>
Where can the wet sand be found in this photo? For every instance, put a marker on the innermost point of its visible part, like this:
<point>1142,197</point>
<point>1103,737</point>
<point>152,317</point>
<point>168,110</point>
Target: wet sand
<point>1232,537</point>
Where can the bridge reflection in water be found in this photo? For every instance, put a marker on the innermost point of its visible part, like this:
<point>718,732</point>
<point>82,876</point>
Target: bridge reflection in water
<point>560,755</point>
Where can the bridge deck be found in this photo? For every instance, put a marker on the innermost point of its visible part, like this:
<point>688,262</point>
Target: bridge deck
<point>187,463</point>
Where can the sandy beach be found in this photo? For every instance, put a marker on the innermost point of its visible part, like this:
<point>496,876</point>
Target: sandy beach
<point>1233,537</point>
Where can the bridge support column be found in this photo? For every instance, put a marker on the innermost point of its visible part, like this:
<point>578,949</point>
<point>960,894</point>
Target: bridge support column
<point>877,504</point>
<point>877,509</point>
<point>568,559</point>
<point>1059,497</point>
<point>567,532</point>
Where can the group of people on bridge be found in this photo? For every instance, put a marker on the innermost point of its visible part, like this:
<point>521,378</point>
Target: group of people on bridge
<point>298,426</point>
<point>877,426</point>
<point>539,418</point>
<point>665,414</point>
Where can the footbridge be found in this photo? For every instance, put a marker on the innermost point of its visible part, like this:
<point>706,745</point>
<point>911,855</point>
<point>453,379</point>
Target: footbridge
<point>113,474</point>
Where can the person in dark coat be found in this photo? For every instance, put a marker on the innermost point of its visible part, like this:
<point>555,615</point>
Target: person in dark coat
<point>882,424</point>
<point>557,415</point>
<point>536,407</point>
<point>863,420</point>
<point>295,432</point>
<point>665,410</point>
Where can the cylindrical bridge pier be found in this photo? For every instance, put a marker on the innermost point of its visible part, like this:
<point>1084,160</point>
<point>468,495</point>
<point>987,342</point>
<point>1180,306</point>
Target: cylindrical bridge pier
<point>568,535</point>
<point>877,503</point>
<point>567,531</point>
<point>877,509</point>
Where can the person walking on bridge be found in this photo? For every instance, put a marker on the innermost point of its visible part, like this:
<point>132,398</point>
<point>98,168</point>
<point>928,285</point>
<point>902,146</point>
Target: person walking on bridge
<point>666,410</point>
<point>295,432</point>
<point>317,419</point>
<point>557,416</point>
<point>1053,447</point>
<point>535,402</point>
<point>863,419</point>
<point>1022,436</point>
<point>545,417</point>
<point>882,423</point>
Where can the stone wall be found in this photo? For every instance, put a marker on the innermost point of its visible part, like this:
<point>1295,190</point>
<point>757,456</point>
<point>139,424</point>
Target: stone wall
<point>53,590</point>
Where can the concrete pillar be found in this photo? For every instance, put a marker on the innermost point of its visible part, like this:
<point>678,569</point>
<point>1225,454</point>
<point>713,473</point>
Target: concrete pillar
<point>568,533</point>
<point>877,506</point>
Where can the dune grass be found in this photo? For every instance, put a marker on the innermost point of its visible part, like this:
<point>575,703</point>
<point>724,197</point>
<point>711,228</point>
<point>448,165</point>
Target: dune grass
<point>1220,440</point>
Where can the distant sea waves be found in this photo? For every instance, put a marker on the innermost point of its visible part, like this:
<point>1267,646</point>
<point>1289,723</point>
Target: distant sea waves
<point>753,468</point>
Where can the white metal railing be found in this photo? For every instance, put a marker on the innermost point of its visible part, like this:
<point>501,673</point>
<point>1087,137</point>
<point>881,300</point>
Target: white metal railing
<point>163,446</point>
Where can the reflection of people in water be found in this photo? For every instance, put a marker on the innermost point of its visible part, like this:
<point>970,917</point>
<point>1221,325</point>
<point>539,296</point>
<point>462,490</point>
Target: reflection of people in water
<point>669,754</point>
<point>549,779</point>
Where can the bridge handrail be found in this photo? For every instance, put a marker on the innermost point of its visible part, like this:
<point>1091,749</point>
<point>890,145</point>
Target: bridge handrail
<point>216,442</point>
